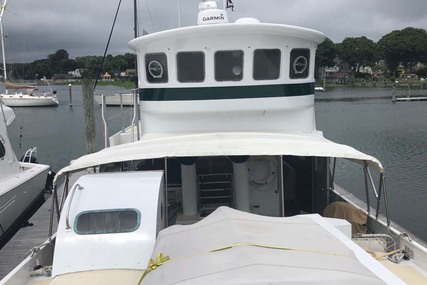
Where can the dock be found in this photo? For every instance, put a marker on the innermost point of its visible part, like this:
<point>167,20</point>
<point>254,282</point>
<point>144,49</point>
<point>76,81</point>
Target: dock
<point>408,95</point>
<point>409,99</point>
<point>16,250</point>
<point>25,239</point>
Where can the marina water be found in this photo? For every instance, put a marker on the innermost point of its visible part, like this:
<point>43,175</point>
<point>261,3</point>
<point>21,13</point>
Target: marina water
<point>364,118</point>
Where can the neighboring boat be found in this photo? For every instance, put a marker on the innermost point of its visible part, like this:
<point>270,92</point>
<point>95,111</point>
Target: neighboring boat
<point>21,183</point>
<point>30,97</point>
<point>115,99</point>
<point>227,113</point>
<point>319,89</point>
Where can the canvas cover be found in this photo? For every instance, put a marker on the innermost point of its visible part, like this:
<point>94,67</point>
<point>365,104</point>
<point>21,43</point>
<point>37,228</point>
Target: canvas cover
<point>348,212</point>
<point>223,144</point>
<point>233,247</point>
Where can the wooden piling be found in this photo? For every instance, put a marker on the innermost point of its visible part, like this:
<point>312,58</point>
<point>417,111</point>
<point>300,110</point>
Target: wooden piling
<point>71,95</point>
<point>393,95</point>
<point>87,87</point>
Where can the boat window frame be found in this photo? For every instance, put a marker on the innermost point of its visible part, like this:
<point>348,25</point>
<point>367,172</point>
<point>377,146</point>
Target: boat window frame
<point>237,77</point>
<point>159,60</point>
<point>266,76</point>
<point>301,54</point>
<point>2,148</point>
<point>198,73</point>
<point>115,210</point>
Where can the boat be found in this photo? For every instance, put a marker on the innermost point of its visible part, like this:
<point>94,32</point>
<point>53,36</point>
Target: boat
<point>319,89</point>
<point>22,183</point>
<point>29,99</point>
<point>29,96</point>
<point>229,181</point>
<point>115,99</point>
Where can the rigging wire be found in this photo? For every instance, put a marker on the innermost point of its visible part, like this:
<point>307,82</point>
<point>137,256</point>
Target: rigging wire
<point>149,13</point>
<point>108,43</point>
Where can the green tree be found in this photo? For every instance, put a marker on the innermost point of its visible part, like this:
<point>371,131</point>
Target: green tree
<point>130,60</point>
<point>90,64</point>
<point>325,55</point>
<point>42,68</point>
<point>407,46</point>
<point>118,63</point>
<point>58,60</point>
<point>358,52</point>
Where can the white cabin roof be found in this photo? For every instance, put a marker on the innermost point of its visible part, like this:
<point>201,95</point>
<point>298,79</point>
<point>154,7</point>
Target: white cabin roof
<point>126,242</point>
<point>223,144</point>
<point>232,28</point>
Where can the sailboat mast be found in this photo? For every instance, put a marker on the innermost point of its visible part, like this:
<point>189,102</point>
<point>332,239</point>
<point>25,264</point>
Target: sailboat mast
<point>135,18</point>
<point>3,8</point>
<point>136,33</point>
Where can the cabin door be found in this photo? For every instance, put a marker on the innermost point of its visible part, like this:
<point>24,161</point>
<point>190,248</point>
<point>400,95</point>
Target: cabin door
<point>321,177</point>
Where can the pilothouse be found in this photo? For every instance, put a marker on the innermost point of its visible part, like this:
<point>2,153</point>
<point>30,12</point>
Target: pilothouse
<point>227,161</point>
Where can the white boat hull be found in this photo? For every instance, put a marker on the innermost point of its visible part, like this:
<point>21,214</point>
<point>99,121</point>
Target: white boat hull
<point>19,192</point>
<point>25,100</point>
<point>126,99</point>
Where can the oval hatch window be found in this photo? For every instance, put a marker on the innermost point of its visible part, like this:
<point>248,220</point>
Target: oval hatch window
<point>107,221</point>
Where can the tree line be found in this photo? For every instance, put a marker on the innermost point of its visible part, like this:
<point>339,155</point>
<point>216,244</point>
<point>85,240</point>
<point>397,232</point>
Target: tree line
<point>60,63</point>
<point>406,47</point>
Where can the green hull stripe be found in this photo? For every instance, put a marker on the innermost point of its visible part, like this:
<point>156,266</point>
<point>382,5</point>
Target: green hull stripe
<point>233,92</point>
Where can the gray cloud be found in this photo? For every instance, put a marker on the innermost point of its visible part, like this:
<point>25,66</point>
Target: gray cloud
<point>38,28</point>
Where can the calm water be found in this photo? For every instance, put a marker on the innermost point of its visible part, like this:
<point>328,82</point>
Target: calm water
<point>395,133</point>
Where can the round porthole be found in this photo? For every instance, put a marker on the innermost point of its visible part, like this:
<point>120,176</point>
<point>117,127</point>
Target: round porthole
<point>155,68</point>
<point>261,170</point>
<point>300,64</point>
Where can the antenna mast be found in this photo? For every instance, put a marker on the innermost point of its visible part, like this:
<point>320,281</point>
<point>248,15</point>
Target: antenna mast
<point>3,9</point>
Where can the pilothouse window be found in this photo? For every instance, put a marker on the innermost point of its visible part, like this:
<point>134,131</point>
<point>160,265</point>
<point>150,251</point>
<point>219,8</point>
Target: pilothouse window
<point>156,67</point>
<point>266,64</point>
<point>229,65</point>
<point>191,66</point>
<point>300,63</point>
<point>107,221</point>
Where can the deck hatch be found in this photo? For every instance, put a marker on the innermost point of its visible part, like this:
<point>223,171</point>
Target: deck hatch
<point>107,221</point>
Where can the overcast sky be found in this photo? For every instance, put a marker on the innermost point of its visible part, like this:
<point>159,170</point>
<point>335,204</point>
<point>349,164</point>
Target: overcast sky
<point>36,28</point>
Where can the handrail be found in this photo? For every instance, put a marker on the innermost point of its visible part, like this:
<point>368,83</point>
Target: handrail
<point>372,183</point>
<point>365,171</point>
<point>387,213</point>
<point>134,122</point>
<point>135,115</point>
<point>67,219</point>
<point>332,173</point>
<point>377,194</point>
<point>29,154</point>
<point>104,120</point>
